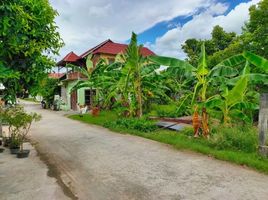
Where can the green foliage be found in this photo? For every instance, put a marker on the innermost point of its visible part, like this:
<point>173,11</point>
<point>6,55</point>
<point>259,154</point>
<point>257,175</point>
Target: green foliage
<point>47,89</point>
<point>140,124</point>
<point>256,60</point>
<point>220,40</point>
<point>19,123</point>
<point>164,110</point>
<point>223,89</point>
<point>235,138</point>
<point>255,32</point>
<point>131,80</point>
<point>27,33</point>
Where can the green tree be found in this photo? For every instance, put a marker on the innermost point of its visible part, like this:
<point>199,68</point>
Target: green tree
<point>219,41</point>
<point>255,35</point>
<point>27,35</point>
<point>221,38</point>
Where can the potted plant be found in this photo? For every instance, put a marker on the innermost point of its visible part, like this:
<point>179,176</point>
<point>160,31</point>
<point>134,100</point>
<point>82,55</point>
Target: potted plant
<point>95,111</point>
<point>19,125</point>
<point>6,141</point>
<point>26,122</point>
<point>96,107</point>
<point>14,144</point>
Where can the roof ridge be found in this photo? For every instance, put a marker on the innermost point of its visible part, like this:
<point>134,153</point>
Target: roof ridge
<point>94,48</point>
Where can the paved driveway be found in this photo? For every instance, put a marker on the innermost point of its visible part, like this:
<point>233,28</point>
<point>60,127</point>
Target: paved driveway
<point>99,164</point>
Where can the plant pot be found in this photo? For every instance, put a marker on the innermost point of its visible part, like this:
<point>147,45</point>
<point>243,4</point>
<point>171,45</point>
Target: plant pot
<point>2,150</point>
<point>23,154</point>
<point>95,111</point>
<point>7,142</point>
<point>14,150</point>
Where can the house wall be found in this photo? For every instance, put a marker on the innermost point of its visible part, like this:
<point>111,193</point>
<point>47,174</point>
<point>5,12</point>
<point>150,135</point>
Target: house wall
<point>66,92</point>
<point>102,55</point>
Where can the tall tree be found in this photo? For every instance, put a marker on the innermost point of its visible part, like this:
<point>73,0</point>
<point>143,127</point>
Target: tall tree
<point>219,41</point>
<point>28,34</point>
<point>221,38</point>
<point>255,35</point>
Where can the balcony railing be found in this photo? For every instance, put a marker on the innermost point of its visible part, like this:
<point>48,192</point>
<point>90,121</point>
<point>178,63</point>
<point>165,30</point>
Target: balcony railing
<point>75,76</point>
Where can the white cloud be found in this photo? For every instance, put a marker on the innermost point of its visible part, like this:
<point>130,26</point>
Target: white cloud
<point>201,26</point>
<point>85,23</point>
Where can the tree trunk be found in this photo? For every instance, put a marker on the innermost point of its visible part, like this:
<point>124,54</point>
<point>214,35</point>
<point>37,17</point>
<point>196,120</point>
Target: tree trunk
<point>140,101</point>
<point>263,124</point>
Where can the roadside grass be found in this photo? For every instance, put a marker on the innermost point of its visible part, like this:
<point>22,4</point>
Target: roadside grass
<point>103,118</point>
<point>184,141</point>
<point>31,100</point>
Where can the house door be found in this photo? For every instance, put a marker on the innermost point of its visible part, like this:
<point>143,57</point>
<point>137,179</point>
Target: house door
<point>89,96</point>
<point>74,100</point>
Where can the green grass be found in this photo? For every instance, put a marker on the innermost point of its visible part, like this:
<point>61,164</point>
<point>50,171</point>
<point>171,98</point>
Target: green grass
<point>31,100</point>
<point>184,141</point>
<point>103,118</point>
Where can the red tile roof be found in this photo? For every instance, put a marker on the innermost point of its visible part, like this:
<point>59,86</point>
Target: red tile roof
<point>106,47</point>
<point>110,47</point>
<point>69,58</point>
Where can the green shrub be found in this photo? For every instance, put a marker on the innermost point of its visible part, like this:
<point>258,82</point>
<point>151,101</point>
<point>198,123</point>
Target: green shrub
<point>141,125</point>
<point>236,138</point>
<point>164,110</point>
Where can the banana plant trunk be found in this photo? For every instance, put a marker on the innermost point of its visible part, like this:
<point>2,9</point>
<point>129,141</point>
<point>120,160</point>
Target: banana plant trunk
<point>139,93</point>
<point>139,101</point>
<point>205,126</point>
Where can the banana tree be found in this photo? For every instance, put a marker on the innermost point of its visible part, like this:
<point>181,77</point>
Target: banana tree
<point>229,99</point>
<point>234,102</point>
<point>201,73</point>
<point>262,64</point>
<point>132,78</point>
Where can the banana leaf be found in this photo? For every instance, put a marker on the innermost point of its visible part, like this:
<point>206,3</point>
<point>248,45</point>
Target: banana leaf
<point>202,62</point>
<point>256,60</point>
<point>233,61</point>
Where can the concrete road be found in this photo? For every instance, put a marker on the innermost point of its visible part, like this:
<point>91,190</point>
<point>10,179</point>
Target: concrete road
<point>27,178</point>
<point>98,164</point>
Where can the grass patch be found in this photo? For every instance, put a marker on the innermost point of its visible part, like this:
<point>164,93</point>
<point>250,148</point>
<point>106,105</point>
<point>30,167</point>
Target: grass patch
<point>31,100</point>
<point>236,145</point>
<point>103,118</point>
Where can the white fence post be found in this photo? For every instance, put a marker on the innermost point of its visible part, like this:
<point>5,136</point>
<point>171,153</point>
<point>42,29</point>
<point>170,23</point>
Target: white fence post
<point>263,124</point>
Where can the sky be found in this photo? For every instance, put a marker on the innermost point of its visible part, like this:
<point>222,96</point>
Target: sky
<point>161,25</point>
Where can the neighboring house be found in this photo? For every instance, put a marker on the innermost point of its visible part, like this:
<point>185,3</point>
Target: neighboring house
<point>108,50</point>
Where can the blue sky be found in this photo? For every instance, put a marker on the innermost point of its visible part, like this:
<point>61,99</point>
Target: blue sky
<point>163,26</point>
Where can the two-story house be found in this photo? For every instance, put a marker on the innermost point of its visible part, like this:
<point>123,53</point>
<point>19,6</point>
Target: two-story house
<point>108,50</point>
